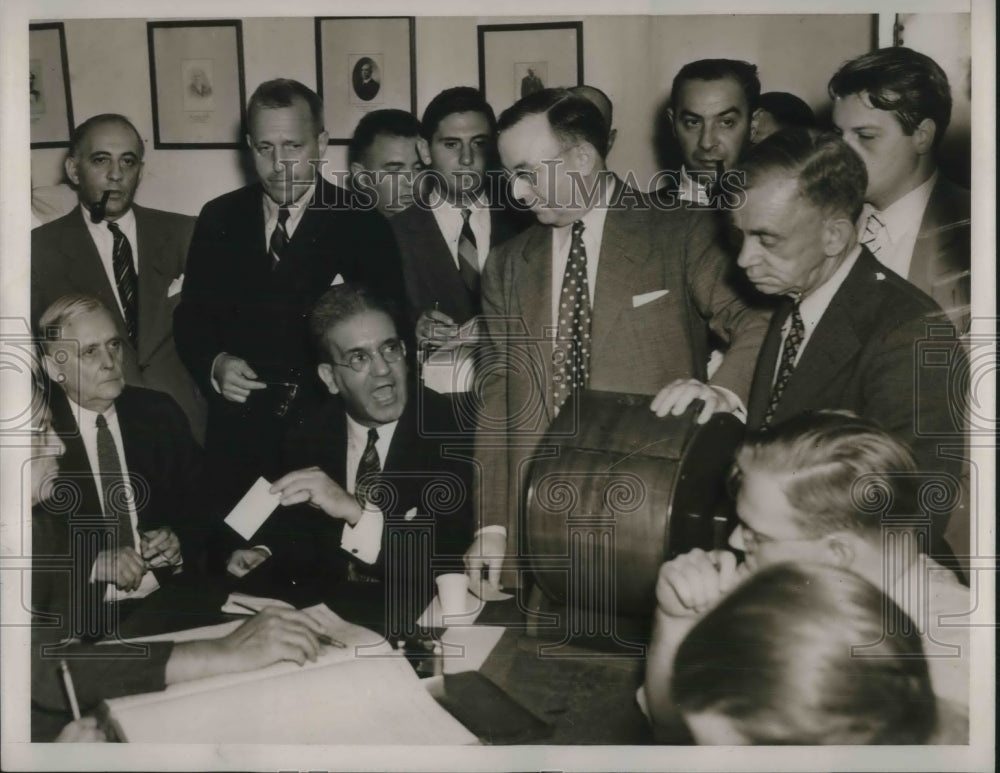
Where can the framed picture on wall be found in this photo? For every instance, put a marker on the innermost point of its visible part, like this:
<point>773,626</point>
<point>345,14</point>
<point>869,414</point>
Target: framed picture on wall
<point>197,84</point>
<point>50,105</point>
<point>364,64</point>
<point>518,59</point>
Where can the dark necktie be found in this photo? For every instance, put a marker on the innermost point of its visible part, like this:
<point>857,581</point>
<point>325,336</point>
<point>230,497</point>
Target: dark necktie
<point>368,469</point>
<point>115,490</point>
<point>126,279</point>
<point>793,342</point>
<point>571,358</point>
<point>279,238</point>
<point>468,256</point>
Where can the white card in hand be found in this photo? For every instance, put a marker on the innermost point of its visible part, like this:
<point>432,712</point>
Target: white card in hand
<point>251,511</point>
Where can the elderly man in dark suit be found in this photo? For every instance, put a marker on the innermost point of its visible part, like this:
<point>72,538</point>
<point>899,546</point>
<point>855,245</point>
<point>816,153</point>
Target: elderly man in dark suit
<point>260,257</point>
<point>606,292</point>
<point>129,257</point>
<point>893,107</point>
<point>367,468</point>
<point>849,332</point>
<point>130,464</point>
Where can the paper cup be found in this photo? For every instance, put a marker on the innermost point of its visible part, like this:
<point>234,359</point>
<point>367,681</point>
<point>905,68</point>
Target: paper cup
<point>453,589</point>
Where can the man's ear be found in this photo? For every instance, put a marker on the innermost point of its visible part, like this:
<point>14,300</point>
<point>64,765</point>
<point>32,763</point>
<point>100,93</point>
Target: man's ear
<point>249,142</point>
<point>322,140</point>
<point>837,234</point>
<point>840,549</point>
<point>356,168</point>
<point>612,136</point>
<point>51,368</point>
<point>754,121</point>
<point>923,136</point>
<point>325,372</point>
<point>670,120</point>
<point>424,151</point>
<point>72,172</point>
<point>586,157</point>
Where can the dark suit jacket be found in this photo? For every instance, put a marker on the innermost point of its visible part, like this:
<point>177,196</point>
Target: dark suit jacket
<point>638,349</point>
<point>65,260</point>
<point>98,671</point>
<point>867,355</point>
<point>428,268</point>
<point>233,302</point>
<point>942,254</point>
<point>305,542</point>
<point>164,465</point>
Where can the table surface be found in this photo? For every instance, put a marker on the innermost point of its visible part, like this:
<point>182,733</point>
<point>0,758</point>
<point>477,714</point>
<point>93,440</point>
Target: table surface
<point>586,692</point>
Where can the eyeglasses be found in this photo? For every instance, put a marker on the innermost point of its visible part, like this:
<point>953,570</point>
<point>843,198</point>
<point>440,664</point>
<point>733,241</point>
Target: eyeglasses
<point>754,539</point>
<point>360,360</point>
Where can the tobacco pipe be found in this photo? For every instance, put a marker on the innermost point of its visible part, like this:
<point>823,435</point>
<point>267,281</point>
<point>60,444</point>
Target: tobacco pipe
<point>97,210</point>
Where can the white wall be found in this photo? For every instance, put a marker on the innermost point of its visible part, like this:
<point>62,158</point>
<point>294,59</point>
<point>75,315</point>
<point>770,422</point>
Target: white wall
<point>633,58</point>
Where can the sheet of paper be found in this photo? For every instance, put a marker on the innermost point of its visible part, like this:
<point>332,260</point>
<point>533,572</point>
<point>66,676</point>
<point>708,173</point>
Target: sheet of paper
<point>466,647</point>
<point>363,701</point>
<point>242,604</point>
<point>251,511</point>
<point>433,617</point>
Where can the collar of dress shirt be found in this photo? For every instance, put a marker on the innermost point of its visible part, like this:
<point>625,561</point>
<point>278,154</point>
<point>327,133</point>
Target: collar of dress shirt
<point>449,220</point>
<point>295,211</point>
<point>903,216</point>
<point>690,190</point>
<point>814,305</point>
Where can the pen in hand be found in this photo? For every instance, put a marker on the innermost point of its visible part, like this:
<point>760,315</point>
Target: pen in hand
<point>331,642</point>
<point>70,691</point>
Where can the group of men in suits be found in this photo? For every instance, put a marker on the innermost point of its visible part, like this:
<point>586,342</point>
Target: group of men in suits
<point>294,309</point>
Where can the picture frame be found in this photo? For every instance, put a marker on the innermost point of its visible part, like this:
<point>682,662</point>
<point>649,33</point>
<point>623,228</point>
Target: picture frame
<point>516,59</point>
<point>197,84</point>
<point>51,105</point>
<point>364,64</point>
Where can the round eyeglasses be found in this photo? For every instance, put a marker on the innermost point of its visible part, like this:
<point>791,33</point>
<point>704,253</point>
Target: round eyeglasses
<point>360,360</point>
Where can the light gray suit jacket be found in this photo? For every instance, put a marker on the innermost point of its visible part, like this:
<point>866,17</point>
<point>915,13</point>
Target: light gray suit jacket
<point>636,348</point>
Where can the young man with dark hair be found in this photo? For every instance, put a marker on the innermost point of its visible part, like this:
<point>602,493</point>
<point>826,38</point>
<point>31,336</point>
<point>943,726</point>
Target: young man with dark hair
<point>893,107</point>
<point>383,160</point>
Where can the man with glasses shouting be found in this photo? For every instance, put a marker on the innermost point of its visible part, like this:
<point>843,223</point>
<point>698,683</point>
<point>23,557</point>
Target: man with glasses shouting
<point>368,477</point>
<point>824,487</point>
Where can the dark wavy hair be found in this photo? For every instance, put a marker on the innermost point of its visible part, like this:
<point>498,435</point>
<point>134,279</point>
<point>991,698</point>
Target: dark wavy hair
<point>744,73</point>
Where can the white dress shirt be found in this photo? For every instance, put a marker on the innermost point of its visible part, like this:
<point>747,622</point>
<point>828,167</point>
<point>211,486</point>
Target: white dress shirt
<point>364,539</point>
<point>692,191</point>
<point>449,222</point>
<point>901,221</point>
<point>104,240</point>
<point>813,306</point>
<point>88,433</point>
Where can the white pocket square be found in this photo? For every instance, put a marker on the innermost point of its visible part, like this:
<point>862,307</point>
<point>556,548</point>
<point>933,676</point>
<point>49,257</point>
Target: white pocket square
<point>644,298</point>
<point>337,280</point>
<point>175,286</point>
<point>410,514</point>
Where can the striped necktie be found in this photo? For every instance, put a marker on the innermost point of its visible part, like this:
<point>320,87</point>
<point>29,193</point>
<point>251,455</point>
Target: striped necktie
<point>279,238</point>
<point>793,342</point>
<point>126,279</point>
<point>468,255</point>
<point>571,358</point>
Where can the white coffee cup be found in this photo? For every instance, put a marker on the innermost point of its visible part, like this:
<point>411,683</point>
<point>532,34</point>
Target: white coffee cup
<point>453,590</point>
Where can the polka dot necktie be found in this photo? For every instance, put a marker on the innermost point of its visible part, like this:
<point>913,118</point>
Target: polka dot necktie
<point>279,237</point>
<point>571,358</point>
<point>793,342</point>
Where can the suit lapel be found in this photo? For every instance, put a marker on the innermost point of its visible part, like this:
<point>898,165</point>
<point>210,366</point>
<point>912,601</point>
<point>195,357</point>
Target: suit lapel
<point>440,270</point>
<point>154,281</point>
<point>534,291</point>
<point>620,254</point>
<point>137,443</point>
<point>87,270</point>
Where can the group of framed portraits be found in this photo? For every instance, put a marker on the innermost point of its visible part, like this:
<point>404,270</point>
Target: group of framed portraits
<point>198,88</point>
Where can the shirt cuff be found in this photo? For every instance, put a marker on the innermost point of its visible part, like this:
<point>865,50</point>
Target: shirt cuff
<point>211,374</point>
<point>494,529</point>
<point>265,548</point>
<point>363,540</point>
<point>741,410</point>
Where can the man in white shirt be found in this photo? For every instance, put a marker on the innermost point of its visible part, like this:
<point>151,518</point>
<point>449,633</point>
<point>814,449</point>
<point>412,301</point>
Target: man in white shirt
<point>893,106</point>
<point>832,488</point>
<point>131,468</point>
<point>365,467</point>
<point>713,111</point>
<point>131,258</point>
<point>605,292</point>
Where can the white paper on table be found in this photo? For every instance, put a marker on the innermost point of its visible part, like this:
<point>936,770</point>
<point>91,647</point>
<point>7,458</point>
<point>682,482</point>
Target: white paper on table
<point>481,587</point>
<point>253,509</point>
<point>243,604</point>
<point>434,617</point>
<point>466,647</point>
